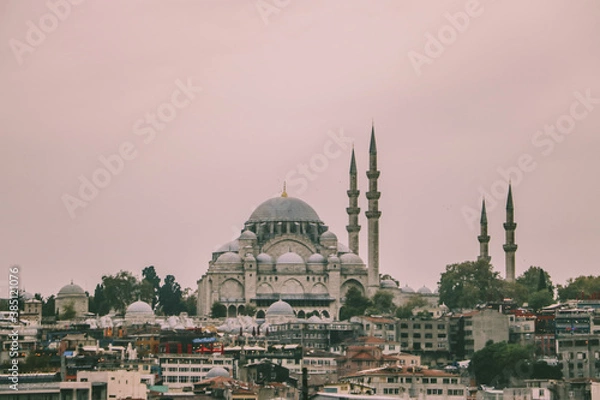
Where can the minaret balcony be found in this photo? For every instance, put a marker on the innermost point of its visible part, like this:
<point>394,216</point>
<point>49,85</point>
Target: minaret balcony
<point>353,210</point>
<point>510,226</point>
<point>373,195</point>
<point>510,247</point>
<point>373,214</point>
<point>353,228</point>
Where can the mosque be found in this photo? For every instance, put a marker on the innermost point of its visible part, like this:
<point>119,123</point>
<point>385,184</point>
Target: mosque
<point>286,252</point>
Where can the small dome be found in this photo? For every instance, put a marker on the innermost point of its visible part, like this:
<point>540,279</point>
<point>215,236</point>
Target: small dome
<point>342,248</point>
<point>407,289</point>
<point>316,259</point>
<point>315,319</point>
<point>229,258</point>
<point>333,259</point>
<point>139,308</point>
<point>248,235</point>
<point>424,290</point>
<point>280,308</point>
<point>264,258</point>
<point>26,295</point>
<point>249,258</point>
<point>290,258</point>
<point>388,283</point>
<point>231,246</point>
<point>351,258</point>
<point>70,290</point>
<point>217,371</point>
<point>328,235</point>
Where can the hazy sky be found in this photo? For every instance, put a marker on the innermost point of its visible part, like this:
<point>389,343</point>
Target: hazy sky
<point>212,104</point>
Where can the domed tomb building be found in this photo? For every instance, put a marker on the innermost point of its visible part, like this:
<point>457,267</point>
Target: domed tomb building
<point>72,296</point>
<point>286,252</point>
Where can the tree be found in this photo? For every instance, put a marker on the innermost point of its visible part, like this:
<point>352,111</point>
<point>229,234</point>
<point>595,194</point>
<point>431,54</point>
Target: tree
<point>535,279</point>
<point>120,290</point>
<point>68,312</point>
<point>406,310</point>
<point>49,307</point>
<point>218,310</point>
<point>170,296</point>
<point>382,303</point>
<point>355,304</point>
<point>469,283</point>
<point>150,279</point>
<point>190,301</point>
<point>580,287</point>
<point>499,363</point>
<point>515,291</point>
<point>540,299</point>
<point>100,304</point>
<point>249,310</point>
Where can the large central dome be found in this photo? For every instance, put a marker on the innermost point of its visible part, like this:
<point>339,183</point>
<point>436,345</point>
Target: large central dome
<point>284,209</point>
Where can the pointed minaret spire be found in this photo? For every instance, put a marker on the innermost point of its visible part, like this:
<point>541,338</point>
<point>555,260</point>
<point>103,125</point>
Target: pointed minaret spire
<point>510,247</point>
<point>483,237</point>
<point>373,215</point>
<point>373,145</point>
<point>509,200</point>
<point>353,210</point>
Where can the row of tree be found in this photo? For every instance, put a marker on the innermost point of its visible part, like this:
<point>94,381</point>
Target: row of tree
<point>118,291</point>
<point>470,283</point>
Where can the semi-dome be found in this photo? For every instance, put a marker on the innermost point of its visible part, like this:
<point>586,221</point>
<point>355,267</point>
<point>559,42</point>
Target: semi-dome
<point>280,308</point>
<point>333,259</point>
<point>248,235</point>
<point>139,308</point>
<point>230,246</point>
<point>217,371</point>
<point>328,235</point>
<point>407,289</point>
<point>316,259</point>
<point>264,258</point>
<point>424,290</point>
<point>314,319</point>
<point>284,209</point>
<point>351,258</point>
<point>290,258</point>
<point>342,248</point>
<point>70,290</point>
<point>229,258</point>
<point>388,283</point>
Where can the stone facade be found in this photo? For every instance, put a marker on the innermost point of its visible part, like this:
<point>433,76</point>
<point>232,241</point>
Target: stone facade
<point>285,252</point>
<point>74,296</point>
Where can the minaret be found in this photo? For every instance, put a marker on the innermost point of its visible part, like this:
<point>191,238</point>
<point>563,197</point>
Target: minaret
<point>353,210</point>
<point>484,238</point>
<point>373,215</point>
<point>510,247</point>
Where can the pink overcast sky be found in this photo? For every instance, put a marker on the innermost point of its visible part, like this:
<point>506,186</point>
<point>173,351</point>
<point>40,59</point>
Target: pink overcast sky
<point>276,83</point>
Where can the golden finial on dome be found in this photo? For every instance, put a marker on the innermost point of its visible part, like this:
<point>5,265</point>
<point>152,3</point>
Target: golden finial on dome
<point>284,193</point>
